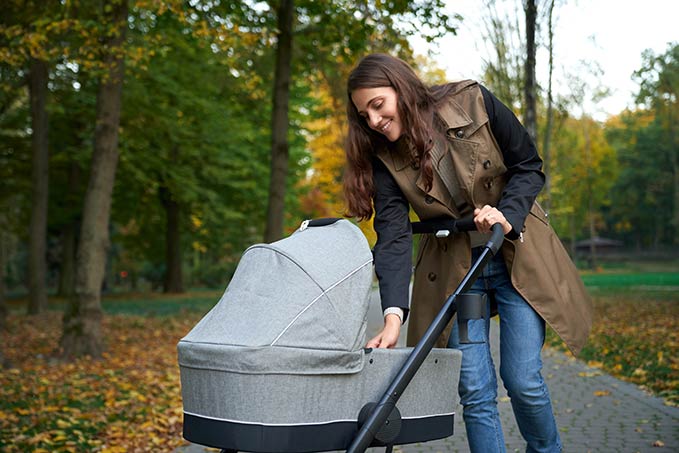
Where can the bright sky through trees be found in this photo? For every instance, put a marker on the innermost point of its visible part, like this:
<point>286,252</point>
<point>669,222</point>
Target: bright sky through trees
<point>612,33</point>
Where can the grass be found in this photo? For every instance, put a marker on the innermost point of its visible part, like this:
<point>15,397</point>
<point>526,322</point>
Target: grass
<point>663,281</point>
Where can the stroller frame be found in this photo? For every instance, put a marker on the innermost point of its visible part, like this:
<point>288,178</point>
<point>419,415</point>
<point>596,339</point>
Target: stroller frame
<point>382,410</point>
<point>379,423</point>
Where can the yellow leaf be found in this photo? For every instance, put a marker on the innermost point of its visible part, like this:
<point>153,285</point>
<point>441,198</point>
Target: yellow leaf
<point>63,424</point>
<point>602,393</point>
<point>589,373</point>
<point>639,372</point>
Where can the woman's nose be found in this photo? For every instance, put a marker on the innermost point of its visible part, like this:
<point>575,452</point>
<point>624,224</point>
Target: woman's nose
<point>373,119</point>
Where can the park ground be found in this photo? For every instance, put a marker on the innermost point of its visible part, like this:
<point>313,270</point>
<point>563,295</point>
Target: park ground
<point>130,400</point>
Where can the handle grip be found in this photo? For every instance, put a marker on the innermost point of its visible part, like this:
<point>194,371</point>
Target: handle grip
<point>442,224</point>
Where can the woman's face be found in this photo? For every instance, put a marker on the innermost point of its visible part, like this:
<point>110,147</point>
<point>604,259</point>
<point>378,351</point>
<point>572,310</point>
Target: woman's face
<point>379,107</point>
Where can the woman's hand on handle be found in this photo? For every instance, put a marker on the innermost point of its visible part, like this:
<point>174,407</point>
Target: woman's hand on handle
<point>488,216</point>
<point>388,337</point>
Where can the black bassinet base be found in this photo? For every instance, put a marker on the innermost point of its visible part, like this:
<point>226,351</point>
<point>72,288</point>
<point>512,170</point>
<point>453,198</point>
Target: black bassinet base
<point>303,438</point>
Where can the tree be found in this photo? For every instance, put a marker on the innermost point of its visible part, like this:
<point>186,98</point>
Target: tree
<point>37,82</point>
<point>643,189</point>
<point>82,321</point>
<point>659,89</point>
<point>27,44</point>
<point>3,266</point>
<point>279,122</point>
<point>503,72</point>
<point>584,170</point>
<point>530,84</point>
<point>206,180</point>
<point>330,36</point>
<point>549,126</point>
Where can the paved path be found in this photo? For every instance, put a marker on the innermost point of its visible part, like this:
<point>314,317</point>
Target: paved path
<point>594,411</point>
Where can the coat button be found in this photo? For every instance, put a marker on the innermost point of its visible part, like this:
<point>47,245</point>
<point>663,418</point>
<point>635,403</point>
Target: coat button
<point>431,276</point>
<point>429,199</point>
<point>415,165</point>
<point>489,184</point>
<point>486,164</point>
<point>459,133</point>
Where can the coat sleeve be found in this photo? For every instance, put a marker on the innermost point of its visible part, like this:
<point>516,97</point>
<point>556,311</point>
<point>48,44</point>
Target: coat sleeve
<point>524,166</point>
<point>393,250</point>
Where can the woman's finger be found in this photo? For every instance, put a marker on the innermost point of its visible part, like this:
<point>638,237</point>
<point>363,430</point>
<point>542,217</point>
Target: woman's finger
<point>374,342</point>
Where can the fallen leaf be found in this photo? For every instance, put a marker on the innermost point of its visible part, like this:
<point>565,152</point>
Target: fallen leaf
<point>589,373</point>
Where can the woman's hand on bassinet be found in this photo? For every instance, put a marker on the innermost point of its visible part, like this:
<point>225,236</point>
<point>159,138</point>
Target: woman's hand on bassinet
<point>388,337</point>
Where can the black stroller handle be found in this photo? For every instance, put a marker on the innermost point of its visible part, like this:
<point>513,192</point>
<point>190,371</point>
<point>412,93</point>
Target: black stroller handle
<point>443,226</point>
<point>381,411</point>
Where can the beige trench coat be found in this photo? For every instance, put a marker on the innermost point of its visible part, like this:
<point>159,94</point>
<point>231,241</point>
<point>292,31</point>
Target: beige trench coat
<point>540,268</point>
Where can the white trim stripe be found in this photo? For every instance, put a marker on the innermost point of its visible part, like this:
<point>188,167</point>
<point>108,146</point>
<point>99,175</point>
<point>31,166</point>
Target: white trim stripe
<point>305,424</point>
<point>325,291</point>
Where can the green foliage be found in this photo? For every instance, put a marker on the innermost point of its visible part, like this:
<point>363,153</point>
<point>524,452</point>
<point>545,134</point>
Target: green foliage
<point>645,208</point>
<point>644,187</point>
<point>196,125</point>
<point>584,167</point>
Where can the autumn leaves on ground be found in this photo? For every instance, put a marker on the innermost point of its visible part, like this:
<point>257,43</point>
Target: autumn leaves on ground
<point>131,400</point>
<point>128,401</point>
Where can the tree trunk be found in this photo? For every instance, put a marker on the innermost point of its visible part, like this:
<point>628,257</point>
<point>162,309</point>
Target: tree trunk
<point>547,142</point>
<point>530,89</point>
<point>593,262</point>
<point>82,321</point>
<point>173,281</point>
<point>571,224</point>
<point>37,261</point>
<point>69,240</point>
<point>674,160</point>
<point>279,124</point>
<point>4,363</point>
<point>67,265</point>
<point>675,219</point>
<point>3,265</point>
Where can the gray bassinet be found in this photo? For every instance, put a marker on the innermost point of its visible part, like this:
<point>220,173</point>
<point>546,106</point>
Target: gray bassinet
<point>278,364</point>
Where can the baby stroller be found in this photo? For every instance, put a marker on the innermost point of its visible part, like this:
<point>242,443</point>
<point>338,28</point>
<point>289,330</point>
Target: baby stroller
<point>278,365</point>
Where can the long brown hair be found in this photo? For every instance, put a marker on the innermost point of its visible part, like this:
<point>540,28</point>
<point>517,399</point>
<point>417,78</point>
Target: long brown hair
<point>416,104</point>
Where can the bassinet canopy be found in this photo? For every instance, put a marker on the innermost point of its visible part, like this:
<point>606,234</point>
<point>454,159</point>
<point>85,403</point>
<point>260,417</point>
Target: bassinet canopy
<point>295,306</point>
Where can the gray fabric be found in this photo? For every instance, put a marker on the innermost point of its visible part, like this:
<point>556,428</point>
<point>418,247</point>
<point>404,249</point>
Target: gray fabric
<point>267,360</point>
<point>308,291</point>
<point>293,399</point>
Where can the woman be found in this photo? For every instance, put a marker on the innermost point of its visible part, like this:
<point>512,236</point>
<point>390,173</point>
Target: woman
<point>456,151</point>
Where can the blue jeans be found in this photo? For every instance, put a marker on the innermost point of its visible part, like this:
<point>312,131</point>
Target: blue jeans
<point>522,334</point>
